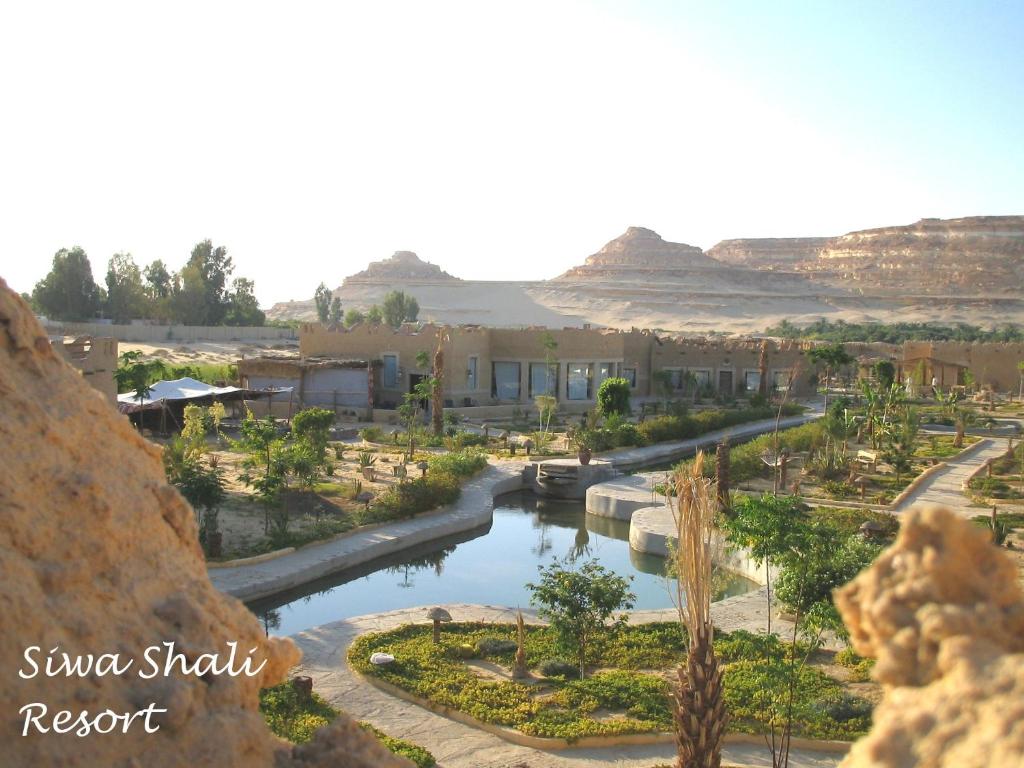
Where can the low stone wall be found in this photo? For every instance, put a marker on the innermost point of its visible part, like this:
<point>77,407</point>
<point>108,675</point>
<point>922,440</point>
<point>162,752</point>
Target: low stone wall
<point>169,333</point>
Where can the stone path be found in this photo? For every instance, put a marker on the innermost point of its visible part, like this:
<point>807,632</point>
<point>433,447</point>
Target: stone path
<point>460,746</point>
<point>945,487</point>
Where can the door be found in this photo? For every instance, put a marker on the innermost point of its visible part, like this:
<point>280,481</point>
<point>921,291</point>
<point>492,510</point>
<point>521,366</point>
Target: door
<point>725,386</point>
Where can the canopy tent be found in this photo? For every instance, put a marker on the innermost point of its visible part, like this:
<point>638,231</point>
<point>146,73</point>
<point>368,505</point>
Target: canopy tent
<point>180,392</point>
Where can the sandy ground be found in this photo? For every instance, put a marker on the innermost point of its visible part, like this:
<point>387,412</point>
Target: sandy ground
<point>209,352</point>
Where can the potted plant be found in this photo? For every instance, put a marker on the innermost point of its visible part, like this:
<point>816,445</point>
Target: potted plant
<point>583,439</point>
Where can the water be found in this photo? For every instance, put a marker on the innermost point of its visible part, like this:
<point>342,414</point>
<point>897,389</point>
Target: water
<point>489,566</point>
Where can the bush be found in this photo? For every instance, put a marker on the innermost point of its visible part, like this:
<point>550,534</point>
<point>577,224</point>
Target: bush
<point>295,719</point>
<point>838,489</point>
<point>558,668</point>
<point>685,427</point>
<point>371,434</point>
<point>613,397</point>
<point>412,498</point>
<point>458,463</point>
<point>495,646</point>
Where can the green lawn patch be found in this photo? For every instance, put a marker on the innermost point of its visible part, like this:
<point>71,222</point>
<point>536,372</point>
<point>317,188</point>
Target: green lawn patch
<point>293,718</point>
<point>627,693</point>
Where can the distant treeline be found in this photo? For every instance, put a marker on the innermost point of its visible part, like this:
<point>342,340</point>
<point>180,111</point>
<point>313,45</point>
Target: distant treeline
<point>895,333</point>
<point>197,294</point>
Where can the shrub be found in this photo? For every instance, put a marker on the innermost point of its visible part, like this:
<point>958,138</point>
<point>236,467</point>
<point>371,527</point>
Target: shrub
<point>558,668</point>
<point>371,434</point>
<point>838,489</point>
<point>412,498</point>
<point>613,397</point>
<point>458,463</point>
<point>495,646</point>
<point>419,756</point>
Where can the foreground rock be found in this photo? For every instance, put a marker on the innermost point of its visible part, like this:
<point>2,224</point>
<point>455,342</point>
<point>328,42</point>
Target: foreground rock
<point>99,555</point>
<point>943,612</point>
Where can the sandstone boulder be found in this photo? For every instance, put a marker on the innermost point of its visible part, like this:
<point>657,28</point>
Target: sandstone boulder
<point>943,612</point>
<point>99,555</point>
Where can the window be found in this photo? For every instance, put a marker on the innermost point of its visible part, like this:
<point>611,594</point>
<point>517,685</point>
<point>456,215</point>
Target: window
<point>471,373</point>
<point>780,380</point>
<point>581,381</point>
<point>629,374</point>
<point>604,371</point>
<point>390,378</point>
<point>702,379</point>
<point>752,381</point>
<point>505,381</point>
<point>675,376</point>
<point>543,379</point>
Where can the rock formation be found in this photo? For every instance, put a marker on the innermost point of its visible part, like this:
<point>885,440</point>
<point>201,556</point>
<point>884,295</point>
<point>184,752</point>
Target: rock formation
<point>641,250</point>
<point>768,252</point>
<point>403,265</point>
<point>943,612</point>
<point>99,555</point>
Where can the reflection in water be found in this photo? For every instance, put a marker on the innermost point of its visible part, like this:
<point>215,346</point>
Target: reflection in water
<point>489,566</point>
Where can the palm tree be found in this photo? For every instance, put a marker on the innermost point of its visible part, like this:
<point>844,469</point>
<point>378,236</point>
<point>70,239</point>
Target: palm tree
<point>698,704</point>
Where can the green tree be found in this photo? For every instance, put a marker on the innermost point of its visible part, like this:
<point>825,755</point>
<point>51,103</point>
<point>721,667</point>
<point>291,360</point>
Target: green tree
<point>126,295</point>
<point>833,357</point>
<point>322,299</point>
<point>314,425</point>
<point>613,397</point>
<point>335,315</point>
<point>353,317</point>
<point>243,308</point>
<point>201,294</point>
<point>579,602</point>
<point>69,291</point>
<point>374,316</point>
<point>134,375</point>
<point>158,280</point>
<point>263,467</point>
<point>399,307</point>
<point>886,373</point>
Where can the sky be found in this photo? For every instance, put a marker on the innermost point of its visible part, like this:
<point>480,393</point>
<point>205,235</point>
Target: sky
<point>503,141</point>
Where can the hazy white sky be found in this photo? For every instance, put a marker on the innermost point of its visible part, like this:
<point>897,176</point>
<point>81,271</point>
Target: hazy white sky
<point>499,140</point>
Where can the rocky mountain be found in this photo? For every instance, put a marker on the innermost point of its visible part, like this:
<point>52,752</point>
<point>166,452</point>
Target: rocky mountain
<point>402,265</point>
<point>641,251</point>
<point>967,270</point>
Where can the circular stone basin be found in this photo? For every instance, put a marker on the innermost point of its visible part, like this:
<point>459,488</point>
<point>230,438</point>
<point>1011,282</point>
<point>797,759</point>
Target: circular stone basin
<point>621,497</point>
<point>650,530</point>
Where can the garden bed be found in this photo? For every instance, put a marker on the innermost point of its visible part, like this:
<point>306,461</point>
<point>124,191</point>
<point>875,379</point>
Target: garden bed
<point>627,693</point>
<point>295,717</point>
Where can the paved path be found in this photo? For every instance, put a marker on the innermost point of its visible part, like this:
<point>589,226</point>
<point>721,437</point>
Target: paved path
<point>460,746</point>
<point>945,487</point>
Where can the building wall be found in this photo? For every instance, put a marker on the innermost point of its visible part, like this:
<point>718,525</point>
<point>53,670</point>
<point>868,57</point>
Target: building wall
<point>637,354</point>
<point>96,359</point>
<point>992,365</point>
<point>160,333</point>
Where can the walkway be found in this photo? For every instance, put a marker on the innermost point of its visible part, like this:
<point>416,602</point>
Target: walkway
<point>945,487</point>
<point>461,746</point>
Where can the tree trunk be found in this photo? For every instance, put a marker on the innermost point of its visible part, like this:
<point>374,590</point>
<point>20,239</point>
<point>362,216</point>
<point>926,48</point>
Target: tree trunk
<point>762,370</point>
<point>699,710</point>
<point>437,399</point>
<point>722,474</point>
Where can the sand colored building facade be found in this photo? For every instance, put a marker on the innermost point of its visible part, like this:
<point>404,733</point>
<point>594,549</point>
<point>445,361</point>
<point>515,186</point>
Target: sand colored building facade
<point>489,368</point>
<point>96,360</point>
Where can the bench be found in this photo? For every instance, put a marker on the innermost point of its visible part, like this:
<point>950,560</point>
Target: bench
<point>868,458</point>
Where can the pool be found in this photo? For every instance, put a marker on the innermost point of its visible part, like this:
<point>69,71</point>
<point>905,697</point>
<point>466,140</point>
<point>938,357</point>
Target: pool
<point>489,566</point>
